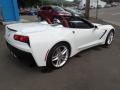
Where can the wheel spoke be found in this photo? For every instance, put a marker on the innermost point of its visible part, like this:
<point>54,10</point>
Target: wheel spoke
<point>55,58</point>
<point>58,63</point>
<point>60,56</point>
<point>58,51</point>
<point>111,37</point>
<point>64,51</point>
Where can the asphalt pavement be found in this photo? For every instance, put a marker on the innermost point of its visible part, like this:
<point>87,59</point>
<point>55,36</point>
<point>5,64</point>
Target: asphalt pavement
<point>111,15</point>
<point>97,68</point>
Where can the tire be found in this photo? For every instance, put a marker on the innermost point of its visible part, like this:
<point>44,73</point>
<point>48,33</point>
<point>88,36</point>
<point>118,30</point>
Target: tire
<point>58,56</point>
<point>109,38</point>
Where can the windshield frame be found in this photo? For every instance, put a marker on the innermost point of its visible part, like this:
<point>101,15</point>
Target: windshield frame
<point>58,9</point>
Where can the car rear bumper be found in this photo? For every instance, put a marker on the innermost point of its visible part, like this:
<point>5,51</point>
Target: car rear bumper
<point>20,54</point>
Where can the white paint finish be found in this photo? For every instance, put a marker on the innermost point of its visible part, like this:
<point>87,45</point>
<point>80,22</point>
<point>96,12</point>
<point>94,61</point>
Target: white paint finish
<point>43,37</point>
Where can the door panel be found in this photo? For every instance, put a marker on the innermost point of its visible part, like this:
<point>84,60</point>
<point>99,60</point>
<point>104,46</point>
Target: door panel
<point>83,37</point>
<point>87,37</point>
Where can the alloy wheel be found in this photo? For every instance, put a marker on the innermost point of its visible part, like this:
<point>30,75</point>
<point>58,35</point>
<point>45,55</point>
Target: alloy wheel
<point>60,56</point>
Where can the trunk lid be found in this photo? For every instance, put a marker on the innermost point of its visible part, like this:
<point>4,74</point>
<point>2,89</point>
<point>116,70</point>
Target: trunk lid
<point>28,27</point>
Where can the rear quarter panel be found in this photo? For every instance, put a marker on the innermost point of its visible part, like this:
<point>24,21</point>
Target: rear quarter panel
<point>41,43</point>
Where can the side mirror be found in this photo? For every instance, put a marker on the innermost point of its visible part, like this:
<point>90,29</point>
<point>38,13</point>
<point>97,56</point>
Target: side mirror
<point>95,27</point>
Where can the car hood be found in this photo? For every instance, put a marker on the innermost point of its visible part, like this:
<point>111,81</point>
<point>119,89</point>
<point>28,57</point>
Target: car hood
<point>96,24</point>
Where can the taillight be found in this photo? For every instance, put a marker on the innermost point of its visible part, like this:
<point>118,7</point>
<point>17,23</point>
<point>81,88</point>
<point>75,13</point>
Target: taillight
<point>21,38</point>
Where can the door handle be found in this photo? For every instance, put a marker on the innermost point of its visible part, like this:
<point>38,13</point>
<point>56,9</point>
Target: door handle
<point>73,32</point>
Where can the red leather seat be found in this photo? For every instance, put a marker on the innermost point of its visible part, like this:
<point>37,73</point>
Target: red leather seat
<point>65,22</point>
<point>48,21</point>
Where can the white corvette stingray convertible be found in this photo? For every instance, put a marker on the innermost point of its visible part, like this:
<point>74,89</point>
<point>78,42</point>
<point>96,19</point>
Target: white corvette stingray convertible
<point>52,45</point>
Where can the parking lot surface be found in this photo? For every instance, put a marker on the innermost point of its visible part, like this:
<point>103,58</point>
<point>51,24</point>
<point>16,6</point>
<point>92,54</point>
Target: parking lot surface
<point>97,68</point>
<point>111,15</point>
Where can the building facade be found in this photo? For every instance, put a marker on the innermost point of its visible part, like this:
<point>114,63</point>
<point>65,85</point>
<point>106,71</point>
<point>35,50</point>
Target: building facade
<point>9,10</point>
<point>93,3</point>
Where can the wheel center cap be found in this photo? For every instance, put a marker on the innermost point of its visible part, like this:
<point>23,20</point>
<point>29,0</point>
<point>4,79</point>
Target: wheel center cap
<point>60,56</point>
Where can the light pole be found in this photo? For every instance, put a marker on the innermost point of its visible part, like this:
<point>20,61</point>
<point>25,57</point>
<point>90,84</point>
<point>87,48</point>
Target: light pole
<point>87,9</point>
<point>97,10</point>
<point>61,3</point>
<point>42,2</point>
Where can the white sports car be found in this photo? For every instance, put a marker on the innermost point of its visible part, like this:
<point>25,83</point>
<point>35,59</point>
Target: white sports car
<point>52,45</point>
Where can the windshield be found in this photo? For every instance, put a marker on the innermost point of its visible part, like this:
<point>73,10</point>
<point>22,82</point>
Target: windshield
<point>71,10</point>
<point>58,9</point>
